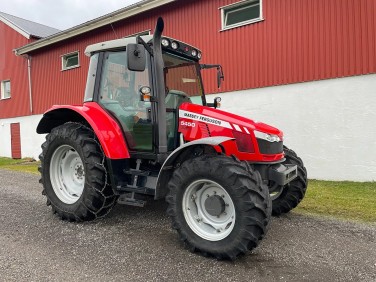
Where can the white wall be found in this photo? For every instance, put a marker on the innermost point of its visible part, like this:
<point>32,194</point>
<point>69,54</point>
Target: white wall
<point>30,140</point>
<point>331,124</point>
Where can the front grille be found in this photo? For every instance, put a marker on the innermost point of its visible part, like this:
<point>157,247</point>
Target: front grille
<point>270,148</point>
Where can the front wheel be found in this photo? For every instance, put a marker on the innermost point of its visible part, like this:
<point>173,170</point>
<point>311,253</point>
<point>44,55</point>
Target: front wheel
<point>74,176</point>
<point>218,206</point>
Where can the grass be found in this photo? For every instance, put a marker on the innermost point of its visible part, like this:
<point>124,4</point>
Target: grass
<point>25,165</point>
<point>341,199</point>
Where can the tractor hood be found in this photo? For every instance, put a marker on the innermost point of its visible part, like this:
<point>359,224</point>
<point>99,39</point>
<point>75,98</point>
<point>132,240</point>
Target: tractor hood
<point>225,119</point>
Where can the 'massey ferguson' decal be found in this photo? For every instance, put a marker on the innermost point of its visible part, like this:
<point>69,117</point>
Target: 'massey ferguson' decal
<point>210,120</point>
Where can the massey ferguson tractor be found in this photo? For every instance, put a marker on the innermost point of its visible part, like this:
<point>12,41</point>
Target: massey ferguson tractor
<point>145,130</point>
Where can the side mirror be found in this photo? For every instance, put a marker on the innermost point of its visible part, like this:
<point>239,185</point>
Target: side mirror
<point>220,77</point>
<point>136,57</point>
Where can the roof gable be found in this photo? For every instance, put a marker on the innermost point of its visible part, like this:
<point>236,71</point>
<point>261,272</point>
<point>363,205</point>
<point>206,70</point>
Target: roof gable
<point>27,28</point>
<point>121,14</point>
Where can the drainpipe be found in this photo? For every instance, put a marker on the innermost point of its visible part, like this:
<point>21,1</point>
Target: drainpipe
<point>29,77</point>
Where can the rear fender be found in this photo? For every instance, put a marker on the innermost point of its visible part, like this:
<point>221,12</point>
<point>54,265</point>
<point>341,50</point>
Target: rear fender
<point>219,144</point>
<point>107,130</point>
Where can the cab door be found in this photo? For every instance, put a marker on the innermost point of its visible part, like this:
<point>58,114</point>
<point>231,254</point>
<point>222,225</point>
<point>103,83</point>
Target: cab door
<point>119,94</point>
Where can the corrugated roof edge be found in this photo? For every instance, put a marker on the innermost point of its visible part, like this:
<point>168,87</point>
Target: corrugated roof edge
<point>26,27</point>
<point>115,16</point>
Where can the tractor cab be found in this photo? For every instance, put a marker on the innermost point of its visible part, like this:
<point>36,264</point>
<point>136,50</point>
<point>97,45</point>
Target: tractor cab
<point>132,96</point>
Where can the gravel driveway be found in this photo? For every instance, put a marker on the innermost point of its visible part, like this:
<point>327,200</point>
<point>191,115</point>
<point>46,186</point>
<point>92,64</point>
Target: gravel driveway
<point>137,244</point>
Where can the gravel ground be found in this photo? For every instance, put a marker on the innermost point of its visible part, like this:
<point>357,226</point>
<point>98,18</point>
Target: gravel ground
<point>137,244</point>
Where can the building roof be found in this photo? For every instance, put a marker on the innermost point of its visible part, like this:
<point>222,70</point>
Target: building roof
<point>27,28</point>
<point>118,15</point>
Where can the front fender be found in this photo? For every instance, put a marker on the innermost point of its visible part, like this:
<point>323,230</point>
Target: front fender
<point>107,130</point>
<point>167,168</point>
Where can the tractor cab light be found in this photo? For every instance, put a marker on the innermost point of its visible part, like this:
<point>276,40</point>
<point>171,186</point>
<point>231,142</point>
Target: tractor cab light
<point>199,55</point>
<point>165,42</point>
<point>194,53</point>
<point>145,90</point>
<point>145,94</point>
<point>146,98</point>
<point>174,45</point>
<point>217,102</point>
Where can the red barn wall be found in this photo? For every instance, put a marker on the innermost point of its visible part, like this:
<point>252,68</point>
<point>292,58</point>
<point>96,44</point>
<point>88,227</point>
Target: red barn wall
<point>15,69</point>
<point>299,40</point>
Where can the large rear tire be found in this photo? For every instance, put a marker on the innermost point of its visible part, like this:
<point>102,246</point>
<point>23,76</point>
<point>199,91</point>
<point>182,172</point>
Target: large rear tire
<point>218,206</point>
<point>74,176</point>
<point>289,196</point>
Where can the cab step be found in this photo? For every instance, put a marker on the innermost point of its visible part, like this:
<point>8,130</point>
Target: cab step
<point>129,199</point>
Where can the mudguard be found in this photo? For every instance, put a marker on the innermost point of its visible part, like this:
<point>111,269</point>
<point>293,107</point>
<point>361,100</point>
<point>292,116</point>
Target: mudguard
<point>107,130</point>
<point>166,169</point>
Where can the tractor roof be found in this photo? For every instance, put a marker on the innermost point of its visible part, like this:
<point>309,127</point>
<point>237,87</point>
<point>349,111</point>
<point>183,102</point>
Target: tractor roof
<point>114,44</point>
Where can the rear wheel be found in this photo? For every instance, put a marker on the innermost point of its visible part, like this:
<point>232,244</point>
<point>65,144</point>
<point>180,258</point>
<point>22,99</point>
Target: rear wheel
<point>285,198</point>
<point>74,177</point>
<point>218,206</point>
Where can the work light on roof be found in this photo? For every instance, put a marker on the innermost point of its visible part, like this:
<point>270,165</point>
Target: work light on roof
<point>165,42</point>
<point>174,45</point>
<point>194,53</point>
<point>199,55</point>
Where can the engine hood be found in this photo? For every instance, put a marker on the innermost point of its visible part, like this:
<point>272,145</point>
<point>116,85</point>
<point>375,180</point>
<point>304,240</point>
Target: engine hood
<point>223,118</point>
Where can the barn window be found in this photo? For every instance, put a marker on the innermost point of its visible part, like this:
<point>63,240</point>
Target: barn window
<point>241,13</point>
<point>70,61</point>
<point>5,89</point>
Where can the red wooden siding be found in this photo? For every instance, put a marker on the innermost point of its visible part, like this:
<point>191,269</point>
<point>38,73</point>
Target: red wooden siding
<point>15,69</point>
<point>299,40</point>
<point>15,140</point>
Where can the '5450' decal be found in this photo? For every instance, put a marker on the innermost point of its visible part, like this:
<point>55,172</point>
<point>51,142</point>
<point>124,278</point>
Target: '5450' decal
<point>186,123</point>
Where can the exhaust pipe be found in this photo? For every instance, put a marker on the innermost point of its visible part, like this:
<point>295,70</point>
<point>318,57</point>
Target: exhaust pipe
<point>160,87</point>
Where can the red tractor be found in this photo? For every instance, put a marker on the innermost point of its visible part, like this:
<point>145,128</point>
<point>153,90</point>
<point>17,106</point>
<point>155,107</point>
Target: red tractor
<point>146,130</point>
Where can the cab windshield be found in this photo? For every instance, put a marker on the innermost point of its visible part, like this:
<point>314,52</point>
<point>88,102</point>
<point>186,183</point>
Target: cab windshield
<point>182,80</point>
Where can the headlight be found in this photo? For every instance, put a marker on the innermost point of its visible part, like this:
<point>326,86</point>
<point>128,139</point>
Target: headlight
<point>194,53</point>
<point>266,136</point>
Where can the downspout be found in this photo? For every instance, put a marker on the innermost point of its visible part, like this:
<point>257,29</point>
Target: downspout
<point>29,77</point>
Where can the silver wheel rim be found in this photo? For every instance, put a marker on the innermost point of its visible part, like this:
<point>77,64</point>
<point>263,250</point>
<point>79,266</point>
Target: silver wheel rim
<point>67,174</point>
<point>205,225</point>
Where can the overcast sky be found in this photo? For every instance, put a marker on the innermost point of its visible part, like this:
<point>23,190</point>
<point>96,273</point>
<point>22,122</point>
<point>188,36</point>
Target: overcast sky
<point>62,14</point>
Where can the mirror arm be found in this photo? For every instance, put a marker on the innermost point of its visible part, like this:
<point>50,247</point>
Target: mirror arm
<point>203,66</point>
<point>147,47</point>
